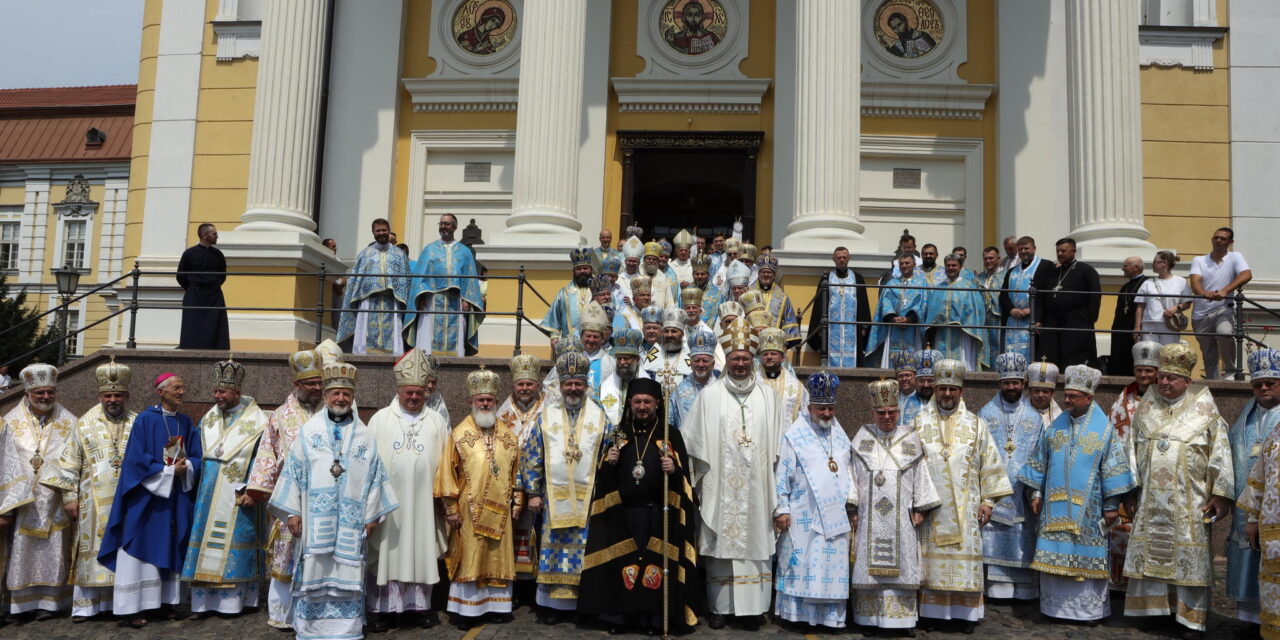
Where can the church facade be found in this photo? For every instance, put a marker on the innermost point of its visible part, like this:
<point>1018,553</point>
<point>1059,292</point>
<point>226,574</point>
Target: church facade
<point>1130,125</point>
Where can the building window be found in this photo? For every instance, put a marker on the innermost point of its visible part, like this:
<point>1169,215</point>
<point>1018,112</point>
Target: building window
<point>73,338</point>
<point>9,245</point>
<point>73,246</point>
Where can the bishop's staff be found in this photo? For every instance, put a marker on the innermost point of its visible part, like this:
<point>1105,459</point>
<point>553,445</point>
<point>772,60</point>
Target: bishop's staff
<point>666,520</point>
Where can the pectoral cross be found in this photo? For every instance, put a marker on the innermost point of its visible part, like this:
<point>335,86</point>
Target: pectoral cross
<point>36,462</point>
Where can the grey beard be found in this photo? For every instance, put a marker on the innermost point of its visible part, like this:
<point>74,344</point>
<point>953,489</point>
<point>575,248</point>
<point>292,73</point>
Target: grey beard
<point>626,374</point>
<point>673,347</point>
<point>302,400</point>
<point>341,413</point>
<point>484,419</point>
<point>118,413</point>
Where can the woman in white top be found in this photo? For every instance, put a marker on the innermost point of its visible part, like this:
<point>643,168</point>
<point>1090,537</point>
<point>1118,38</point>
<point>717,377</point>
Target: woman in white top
<point>1158,298</point>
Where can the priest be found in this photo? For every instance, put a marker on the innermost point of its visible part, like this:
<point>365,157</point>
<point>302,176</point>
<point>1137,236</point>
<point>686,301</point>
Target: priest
<point>1071,304</point>
<point>379,291</point>
<point>332,493</point>
<point>154,506</point>
<point>712,295</point>
<point>1029,273</point>
<point>902,307</point>
<point>965,465</point>
<point>1075,480</point>
<point>626,578</point>
<point>86,473</point>
<point>672,362</point>
<point>476,482</point>
<point>613,390</point>
<point>404,552</point>
<point>32,436</point>
<point>954,313</point>
<point>1249,433</point>
<point>840,301</point>
<point>447,286</point>
<point>520,411</point>
<point>702,372</point>
<point>1146,360</point>
<point>1185,478</point>
<point>666,289</point>
<point>815,513</point>
<point>1009,540</point>
<point>558,472</point>
<point>1042,381</point>
<point>889,469</point>
<point>1260,501</point>
<point>774,375</point>
<point>564,316</point>
<point>732,434</point>
<point>278,436</point>
<point>1121,361</point>
<point>775,299</point>
<point>904,372</point>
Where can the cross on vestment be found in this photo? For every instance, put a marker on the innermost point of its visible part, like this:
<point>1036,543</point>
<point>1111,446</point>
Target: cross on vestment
<point>609,401</point>
<point>805,521</point>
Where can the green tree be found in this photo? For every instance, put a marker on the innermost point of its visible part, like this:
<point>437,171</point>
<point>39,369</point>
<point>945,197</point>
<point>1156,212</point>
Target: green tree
<point>15,341</point>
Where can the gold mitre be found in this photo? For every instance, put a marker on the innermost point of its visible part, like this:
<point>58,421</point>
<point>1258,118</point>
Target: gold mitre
<point>525,366</point>
<point>772,339</point>
<point>411,369</point>
<point>482,381</point>
<point>594,318</point>
<point>683,240</point>
<point>641,284</point>
<point>339,375</point>
<point>113,377</point>
<point>1178,358</point>
<point>228,374</point>
<point>749,252</point>
<point>750,299</point>
<point>691,296</point>
<point>949,373</point>
<point>738,337</point>
<point>329,351</point>
<point>883,393</point>
<point>305,364</point>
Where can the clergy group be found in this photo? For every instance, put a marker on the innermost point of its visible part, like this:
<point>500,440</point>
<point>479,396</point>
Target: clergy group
<point>714,487</point>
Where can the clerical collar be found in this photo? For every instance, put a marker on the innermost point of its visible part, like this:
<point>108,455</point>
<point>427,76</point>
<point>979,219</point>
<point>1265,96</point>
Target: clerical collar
<point>764,287</point>
<point>1176,401</point>
<point>1067,264</point>
<point>842,273</point>
<point>639,427</point>
<point>740,387</point>
<point>338,419</point>
<point>773,375</point>
<point>166,411</point>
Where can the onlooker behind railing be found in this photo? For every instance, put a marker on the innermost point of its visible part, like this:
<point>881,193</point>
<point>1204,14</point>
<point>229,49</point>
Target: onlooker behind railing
<point>450,288</point>
<point>1015,306</point>
<point>1158,304</point>
<point>1071,303</point>
<point>383,298</point>
<point>203,328</point>
<point>839,301</point>
<point>1126,316</point>
<point>1216,276</point>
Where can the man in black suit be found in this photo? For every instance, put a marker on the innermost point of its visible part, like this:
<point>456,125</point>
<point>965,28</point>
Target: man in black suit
<point>1121,361</point>
<point>1071,303</point>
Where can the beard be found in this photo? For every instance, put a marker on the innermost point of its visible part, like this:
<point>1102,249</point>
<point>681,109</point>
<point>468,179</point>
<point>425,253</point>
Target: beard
<point>948,404</point>
<point>672,345</point>
<point>484,419</point>
<point>582,279</point>
<point>113,412</point>
<point>42,406</point>
<point>650,269</point>
<point>1011,395</point>
<point>924,393</point>
<point>340,412</point>
<point>825,423</point>
<point>627,373</point>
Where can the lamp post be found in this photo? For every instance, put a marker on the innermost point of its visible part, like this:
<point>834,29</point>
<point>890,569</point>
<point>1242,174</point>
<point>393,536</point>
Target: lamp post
<point>67,278</point>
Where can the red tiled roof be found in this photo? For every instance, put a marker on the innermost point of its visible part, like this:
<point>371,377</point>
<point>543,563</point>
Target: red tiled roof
<point>116,94</point>
<point>57,139</point>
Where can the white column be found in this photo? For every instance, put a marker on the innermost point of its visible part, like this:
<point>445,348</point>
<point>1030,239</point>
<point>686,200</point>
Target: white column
<point>826,130</point>
<point>286,117</point>
<point>1105,130</point>
<point>544,199</point>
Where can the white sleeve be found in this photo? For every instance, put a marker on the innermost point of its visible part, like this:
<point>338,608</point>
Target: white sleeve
<point>1195,266</point>
<point>1241,265</point>
<point>189,478</point>
<point>160,484</point>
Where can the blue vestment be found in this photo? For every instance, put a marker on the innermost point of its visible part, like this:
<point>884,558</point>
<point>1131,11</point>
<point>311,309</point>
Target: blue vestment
<point>686,392</point>
<point>386,295</point>
<point>1250,429</point>
<point>449,271</point>
<point>152,529</point>
<point>1020,278</point>
<point>1010,538</point>
<point>945,306</point>
<point>899,302</point>
<point>1081,468</point>
<point>564,317</point>
<point>909,408</point>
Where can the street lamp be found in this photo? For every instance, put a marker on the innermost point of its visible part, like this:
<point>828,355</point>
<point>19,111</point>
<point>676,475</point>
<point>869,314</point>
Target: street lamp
<point>67,278</point>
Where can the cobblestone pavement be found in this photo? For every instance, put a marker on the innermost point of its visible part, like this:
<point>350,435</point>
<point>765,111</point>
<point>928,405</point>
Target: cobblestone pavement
<point>1002,622</point>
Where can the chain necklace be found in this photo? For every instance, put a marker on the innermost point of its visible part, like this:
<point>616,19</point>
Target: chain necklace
<point>744,438</point>
<point>1008,427</point>
<point>488,450</point>
<point>829,448</point>
<point>172,439</point>
<point>115,438</point>
<point>336,469</point>
<point>638,471</point>
<point>1058,287</point>
<point>42,441</point>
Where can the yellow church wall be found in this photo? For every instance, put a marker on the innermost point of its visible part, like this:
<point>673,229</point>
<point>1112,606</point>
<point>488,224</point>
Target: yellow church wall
<point>14,195</point>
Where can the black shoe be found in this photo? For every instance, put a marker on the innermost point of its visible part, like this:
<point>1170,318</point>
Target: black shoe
<point>428,619</point>
<point>501,618</point>
<point>752,623</point>
<point>715,621</point>
<point>967,627</point>
<point>376,623</point>
<point>1192,634</point>
<point>616,630</point>
<point>651,632</point>
<point>464,623</point>
<point>1251,631</point>
<point>550,617</point>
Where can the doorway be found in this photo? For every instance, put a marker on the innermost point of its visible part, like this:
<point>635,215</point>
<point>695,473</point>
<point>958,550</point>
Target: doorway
<point>696,180</point>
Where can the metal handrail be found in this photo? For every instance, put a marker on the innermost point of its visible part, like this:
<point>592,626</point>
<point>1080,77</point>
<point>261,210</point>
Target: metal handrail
<point>78,297</point>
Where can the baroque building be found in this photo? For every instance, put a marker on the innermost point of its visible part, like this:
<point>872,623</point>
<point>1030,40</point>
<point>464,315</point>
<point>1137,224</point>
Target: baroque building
<point>1129,125</point>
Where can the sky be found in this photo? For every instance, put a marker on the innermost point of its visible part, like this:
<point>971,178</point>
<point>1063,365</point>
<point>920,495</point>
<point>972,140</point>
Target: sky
<point>66,43</point>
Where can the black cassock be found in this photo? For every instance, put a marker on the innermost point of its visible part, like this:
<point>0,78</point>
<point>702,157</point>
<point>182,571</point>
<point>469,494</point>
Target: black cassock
<point>817,338</point>
<point>1070,311</point>
<point>622,573</point>
<point>203,328</point>
<point>1121,361</point>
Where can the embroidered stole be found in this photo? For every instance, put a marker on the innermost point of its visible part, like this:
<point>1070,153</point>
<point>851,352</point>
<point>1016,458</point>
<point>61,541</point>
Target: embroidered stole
<point>228,448</point>
<point>883,511</point>
<point>961,427</point>
<point>569,452</point>
<point>1071,474</point>
<point>831,490</point>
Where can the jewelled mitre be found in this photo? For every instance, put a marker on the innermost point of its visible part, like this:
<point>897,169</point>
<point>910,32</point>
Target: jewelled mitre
<point>926,362</point>
<point>339,375</point>
<point>1178,358</point>
<point>566,343</point>
<point>1082,378</point>
<point>1264,363</point>
<point>594,318</point>
<point>651,314</point>
<point>822,387</point>
<point>641,284</point>
<point>411,369</point>
<point>1146,354</point>
<point>701,343</point>
<point>611,264</point>
<point>627,342</point>
<point>1011,365</point>
<point>883,393</point>
<point>673,318</point>
<point>731,308</point>
<point>329,351</point>
<point>1042,375</point>
<point>526,366</point>
<point>772,339</point>
<point>683,240</point>
<point>600,283</point>
<point>582,256</point>
<point>701,263</point>
<point>228,374</point>
<point>665,247</point>
<point>691,296</point>
<point>573,365</point>
<point>903,361</point>
<point>113,377</point>
<point>767,261</point>
<point>39,376</point>
<point>948,373</point>
<point>738,337</point>
<point>748,252</point>
<point>652,249</point>
<point>482,381</point>
<point>305,364</point>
